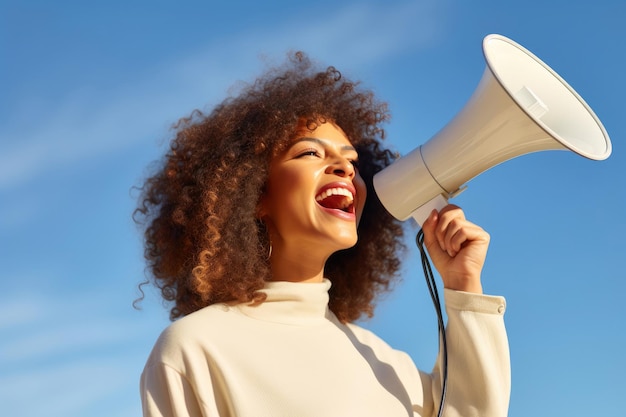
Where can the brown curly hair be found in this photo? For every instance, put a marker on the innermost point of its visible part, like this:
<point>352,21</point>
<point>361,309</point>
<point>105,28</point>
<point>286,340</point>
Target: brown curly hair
<point>203,241</point>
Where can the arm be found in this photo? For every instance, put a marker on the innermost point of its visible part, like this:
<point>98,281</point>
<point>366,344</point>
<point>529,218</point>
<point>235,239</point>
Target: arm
<point>479,376</point>
<point>478,353</point>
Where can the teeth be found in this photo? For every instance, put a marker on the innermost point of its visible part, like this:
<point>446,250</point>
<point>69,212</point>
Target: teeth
<point>335,191</point>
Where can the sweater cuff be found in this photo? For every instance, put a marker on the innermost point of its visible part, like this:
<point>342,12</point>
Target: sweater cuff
<point>479,303</point>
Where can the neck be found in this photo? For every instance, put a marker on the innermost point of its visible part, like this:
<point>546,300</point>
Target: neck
<point>294,270</point>
<point>300,266</point>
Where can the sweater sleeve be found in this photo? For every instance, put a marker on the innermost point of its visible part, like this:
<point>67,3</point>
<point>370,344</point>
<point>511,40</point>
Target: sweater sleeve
<point>479,375</point>
<point>167,393</point>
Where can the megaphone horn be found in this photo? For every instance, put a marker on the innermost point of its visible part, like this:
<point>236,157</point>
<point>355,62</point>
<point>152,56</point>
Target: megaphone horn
<point>520,106</point>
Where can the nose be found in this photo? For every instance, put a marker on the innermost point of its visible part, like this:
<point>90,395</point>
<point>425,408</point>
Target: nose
<point>341,167</point>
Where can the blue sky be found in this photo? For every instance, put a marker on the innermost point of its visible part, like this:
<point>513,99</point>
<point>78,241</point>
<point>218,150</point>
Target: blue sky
<point>88,93</point>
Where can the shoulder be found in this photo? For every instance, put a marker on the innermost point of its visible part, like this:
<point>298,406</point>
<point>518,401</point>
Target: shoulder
<point>208,317</point>
<point>192,335</point>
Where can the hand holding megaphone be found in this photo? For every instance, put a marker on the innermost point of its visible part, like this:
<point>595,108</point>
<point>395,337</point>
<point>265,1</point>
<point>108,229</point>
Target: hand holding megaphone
<point>520,106</point>
<point>457,247</point>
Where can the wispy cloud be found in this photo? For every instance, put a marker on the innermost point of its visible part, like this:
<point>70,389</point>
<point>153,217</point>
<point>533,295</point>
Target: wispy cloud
<point>69,388</point>
<point>68,338</point>
<point>42,325</point>
<point>86,123</point>
<point>72,352</point>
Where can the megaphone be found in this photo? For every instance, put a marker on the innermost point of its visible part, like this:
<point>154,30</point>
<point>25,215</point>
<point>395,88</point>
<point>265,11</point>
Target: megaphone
<point>520,106</point>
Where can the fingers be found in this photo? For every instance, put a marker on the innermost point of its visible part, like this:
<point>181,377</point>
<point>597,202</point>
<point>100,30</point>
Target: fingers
<point>457,248</point>
<point>447,229</point>
<point>450,230</point>
<point>430,237</point>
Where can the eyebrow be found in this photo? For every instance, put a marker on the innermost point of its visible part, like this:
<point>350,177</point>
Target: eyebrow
<point>324,143</point>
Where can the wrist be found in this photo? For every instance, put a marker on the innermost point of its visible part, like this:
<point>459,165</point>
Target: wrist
<point>463,284</point>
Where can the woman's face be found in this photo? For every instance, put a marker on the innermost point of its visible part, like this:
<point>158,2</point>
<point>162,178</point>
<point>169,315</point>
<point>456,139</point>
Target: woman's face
<point>315,195</point>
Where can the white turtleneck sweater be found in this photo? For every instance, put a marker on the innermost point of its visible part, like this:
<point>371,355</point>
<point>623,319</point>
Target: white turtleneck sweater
<point>291,357</point>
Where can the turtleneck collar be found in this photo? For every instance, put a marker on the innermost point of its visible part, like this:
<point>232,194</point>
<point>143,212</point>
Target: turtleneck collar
<point>291,303</point>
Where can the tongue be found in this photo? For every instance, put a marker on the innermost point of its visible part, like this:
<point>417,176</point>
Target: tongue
<point>336,202</point>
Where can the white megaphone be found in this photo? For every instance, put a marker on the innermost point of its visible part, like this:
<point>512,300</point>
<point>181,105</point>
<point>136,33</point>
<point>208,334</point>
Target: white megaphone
<point>520,106</point>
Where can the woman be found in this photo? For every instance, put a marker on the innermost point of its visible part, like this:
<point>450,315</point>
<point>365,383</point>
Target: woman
<point>263,228</point>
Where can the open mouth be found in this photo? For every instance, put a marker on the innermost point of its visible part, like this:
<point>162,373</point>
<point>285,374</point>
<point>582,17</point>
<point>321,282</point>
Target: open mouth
<point>336,198</point>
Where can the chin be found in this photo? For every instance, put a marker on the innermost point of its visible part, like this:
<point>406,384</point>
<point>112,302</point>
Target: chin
<point>346,242</point>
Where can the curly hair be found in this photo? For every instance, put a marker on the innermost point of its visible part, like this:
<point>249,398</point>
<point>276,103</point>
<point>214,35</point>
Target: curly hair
<point>203,241</point>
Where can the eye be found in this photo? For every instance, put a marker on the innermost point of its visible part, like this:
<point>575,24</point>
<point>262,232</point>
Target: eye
<point>309,152</point>
<point>355,163</point>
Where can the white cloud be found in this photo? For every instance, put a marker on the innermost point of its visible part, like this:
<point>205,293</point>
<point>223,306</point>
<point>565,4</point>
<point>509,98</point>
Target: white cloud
<point>87,124</point>
<point>68,337</point>
<point>65,389</point>
<point>75,353</point>
<point>45,325</point>
<point>19,311</point>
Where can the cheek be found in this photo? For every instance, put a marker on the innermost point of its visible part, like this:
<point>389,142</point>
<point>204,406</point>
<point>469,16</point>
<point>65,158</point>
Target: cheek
<point>288,190</point>
<point>282,182</point>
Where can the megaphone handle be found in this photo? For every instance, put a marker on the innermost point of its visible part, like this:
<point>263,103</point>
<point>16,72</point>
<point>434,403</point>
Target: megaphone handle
<point>421,213</point>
